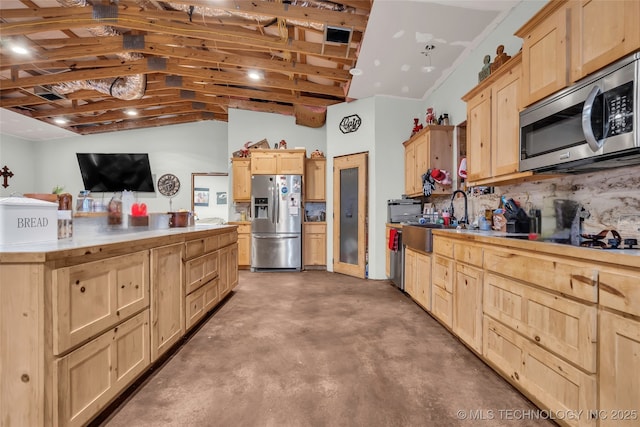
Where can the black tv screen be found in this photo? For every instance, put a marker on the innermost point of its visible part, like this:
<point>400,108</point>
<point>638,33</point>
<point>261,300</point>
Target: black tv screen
<point>115,172</point>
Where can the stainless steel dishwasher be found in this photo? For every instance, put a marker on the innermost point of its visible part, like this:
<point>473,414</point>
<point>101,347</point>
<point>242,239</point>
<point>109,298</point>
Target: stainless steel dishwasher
<point>397,263</point>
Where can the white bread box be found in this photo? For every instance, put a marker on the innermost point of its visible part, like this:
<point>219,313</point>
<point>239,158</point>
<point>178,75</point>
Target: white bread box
<point>25,220</point>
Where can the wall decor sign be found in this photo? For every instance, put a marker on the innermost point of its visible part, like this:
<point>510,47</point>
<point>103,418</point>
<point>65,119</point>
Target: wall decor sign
<point>350,123</point>
<point>201,196</point>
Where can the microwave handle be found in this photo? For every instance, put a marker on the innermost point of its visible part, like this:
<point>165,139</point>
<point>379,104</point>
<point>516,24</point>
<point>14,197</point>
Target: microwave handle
<point>594,144</point>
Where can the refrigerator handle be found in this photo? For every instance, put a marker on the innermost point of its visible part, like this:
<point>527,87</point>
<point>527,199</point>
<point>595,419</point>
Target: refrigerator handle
<point>278,203</point>
<point>274,200</point>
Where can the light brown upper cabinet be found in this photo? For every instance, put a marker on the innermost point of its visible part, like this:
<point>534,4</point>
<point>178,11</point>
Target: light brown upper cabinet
<point>493,126</point>
<point>315,180</point>
<point>568,40</point>
<point>285,162</point>
<point>241,175</point>
<point>430,148</point>
<point>602,32</point>
<point>544,53</point>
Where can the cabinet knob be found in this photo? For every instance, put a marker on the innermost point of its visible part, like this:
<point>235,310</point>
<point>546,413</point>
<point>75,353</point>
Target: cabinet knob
<point>537,338</point>
<point>82,289</point>
<point>25,378</point>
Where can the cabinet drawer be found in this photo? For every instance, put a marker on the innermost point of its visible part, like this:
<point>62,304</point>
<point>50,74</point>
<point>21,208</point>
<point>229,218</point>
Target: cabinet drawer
<point>212,243</point>
<point>193,248</point>
<point>244,229</point>
<point>91,376</point>
<point>201,302</point>
<point>549,381</point>
<point>571,278</point>
<point>228,238</point>
<point>443,273</point>
<point>565,327</point>
<point>467,253</point>
<point>92,297</point>
<point>443,246</point>
<point>319,228</point>
<point>442,305</point>
<point>620,290</point>
<point>200,270</point>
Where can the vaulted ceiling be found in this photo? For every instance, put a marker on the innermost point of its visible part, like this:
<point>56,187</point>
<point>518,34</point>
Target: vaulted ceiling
<point>105,66</point>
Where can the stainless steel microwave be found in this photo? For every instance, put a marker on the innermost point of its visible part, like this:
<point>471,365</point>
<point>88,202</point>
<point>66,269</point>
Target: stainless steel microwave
<point>588,126</point>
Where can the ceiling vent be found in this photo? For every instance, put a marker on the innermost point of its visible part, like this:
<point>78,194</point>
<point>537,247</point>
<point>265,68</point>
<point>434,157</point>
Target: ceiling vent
<point>337,35</point>
<point>48,94</point>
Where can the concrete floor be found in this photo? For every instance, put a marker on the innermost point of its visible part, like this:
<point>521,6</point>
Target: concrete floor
<point>322,349</point>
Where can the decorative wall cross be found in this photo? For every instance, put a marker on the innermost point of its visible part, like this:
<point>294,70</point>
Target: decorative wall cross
<point>6,174</point>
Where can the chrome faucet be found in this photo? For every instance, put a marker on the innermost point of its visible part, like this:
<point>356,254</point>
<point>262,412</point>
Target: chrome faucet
<point>465,218</point>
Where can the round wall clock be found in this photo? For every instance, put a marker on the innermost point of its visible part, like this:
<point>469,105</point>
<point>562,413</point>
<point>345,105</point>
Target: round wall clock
<point>168,184</point>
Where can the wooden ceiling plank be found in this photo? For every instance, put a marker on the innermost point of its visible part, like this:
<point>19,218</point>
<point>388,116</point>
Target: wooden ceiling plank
<point>179,108</point>
<point>302,13</point>
<point>172,67</point>
<point>146,123</point>
<point>242,79</point>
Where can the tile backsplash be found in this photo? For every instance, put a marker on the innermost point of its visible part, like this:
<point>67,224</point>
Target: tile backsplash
<point>612,198</point>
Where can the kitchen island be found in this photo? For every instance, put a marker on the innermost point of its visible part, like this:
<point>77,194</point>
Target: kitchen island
<point>81,319</point>
<point>560,323</point>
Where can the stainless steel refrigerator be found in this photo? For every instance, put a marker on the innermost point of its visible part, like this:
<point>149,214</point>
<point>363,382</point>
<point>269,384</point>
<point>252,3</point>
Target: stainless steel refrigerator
<point>276,225</point>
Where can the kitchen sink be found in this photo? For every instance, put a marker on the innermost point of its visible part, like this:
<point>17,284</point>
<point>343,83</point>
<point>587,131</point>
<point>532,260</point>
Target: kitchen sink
<point>419,236</point>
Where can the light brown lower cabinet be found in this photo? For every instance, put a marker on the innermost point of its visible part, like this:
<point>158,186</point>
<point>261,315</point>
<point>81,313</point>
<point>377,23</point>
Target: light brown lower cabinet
<point>90,377</point>
<point>314,249</point>
<point>442,290</point>
<point>244,245</point>
<point>86,322</point>
<point>546,379</point>
<point>619,370</point>
<point>201,301</point>
<point>417,277</point>
<point>91,297</point>
<point>564,330</point>
<point>467,306</point>
<point>563,326</point>
<point>167,298</point>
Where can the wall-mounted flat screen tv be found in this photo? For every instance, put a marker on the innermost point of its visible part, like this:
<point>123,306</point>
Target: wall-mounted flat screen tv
<point>116,172</point>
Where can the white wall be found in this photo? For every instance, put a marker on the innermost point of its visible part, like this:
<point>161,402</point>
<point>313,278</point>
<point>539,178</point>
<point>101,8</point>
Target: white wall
<point>340,144</point>
<point>18,155</point>
<point>386,123</point>
<point>178,149</point>
<point>252,126</point>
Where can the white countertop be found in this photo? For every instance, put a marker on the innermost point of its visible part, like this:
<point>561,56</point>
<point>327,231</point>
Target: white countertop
<point>93,238</point>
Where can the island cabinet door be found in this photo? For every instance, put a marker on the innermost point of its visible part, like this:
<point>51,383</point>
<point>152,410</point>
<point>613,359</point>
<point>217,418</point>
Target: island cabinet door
<point>225,285</point>
<point>90,298</point>
<point>200,270</point>
<point>201,301</point>
<point>167,298</point>
<point>90,377</point>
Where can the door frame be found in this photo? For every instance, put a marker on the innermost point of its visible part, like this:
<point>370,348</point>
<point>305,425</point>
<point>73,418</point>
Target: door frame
<point>359,161</point>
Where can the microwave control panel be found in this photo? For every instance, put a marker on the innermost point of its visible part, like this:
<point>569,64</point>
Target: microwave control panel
<point>619,109</point>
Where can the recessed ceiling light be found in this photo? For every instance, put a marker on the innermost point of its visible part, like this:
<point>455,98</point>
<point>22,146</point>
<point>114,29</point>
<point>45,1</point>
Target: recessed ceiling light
<point>428,68</point>
<point>21,50</point>
<point>255,75</point>
<point>355,72</point>
<point>60,121</point>
<point>131,112</point>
